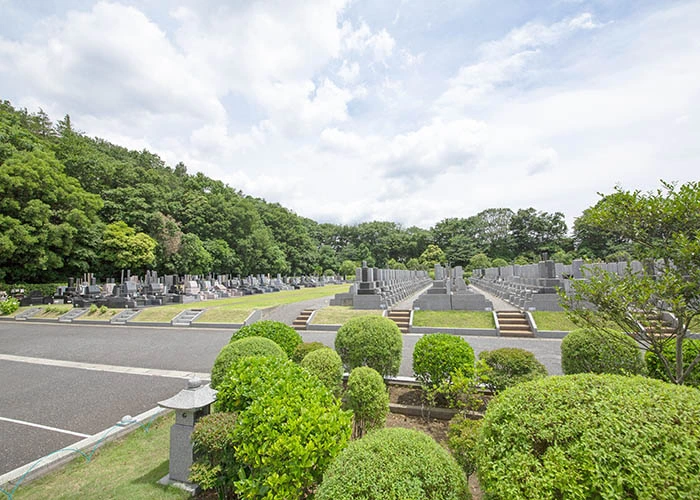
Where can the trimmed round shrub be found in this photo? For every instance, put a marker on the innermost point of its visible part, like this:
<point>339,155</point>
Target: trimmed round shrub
<point>212,445</point>
<point>305,348</point>
<point>368,398</point>
<point>232,352</point>
<point>462,436</point>
<point>438,355</point>
<point>589,351</point>
<point>289,428</point>
<point>372,341</point>
<point>509,366</point>
<point>691,350</point>
<point>327,366</point>
<point>394,464</point>
<point>591,436</point>
<point>284,335</point>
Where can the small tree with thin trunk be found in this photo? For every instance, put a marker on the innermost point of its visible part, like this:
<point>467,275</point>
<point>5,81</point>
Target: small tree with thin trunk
<point>664,227</point>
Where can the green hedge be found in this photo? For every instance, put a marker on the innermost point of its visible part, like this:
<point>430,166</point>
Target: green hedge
<point>289,428</point>
<point>462,436</point>
<point>327,366</point>
<point>368,398</point>
<point>691,350</point>
<point>509,366</point>
<point>248,346</point>
<point>589,351</point>
<point>372,341</point>
<point>591,436</point>
<point>437,356</point>
<point>305,348</point>
<point>394,464</point>
<point>214,468</point>
<point>284,335</point>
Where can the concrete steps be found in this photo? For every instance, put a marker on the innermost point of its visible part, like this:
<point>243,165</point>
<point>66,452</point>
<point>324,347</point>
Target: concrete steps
<point>514,324</point>
<point>186,317</point>
<point>302,319</point>
<point>402,318</point>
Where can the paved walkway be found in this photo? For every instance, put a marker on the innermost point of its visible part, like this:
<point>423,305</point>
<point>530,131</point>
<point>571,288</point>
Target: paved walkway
<point>498,303</point>
<point>407,303</point>
<point>287,313</point>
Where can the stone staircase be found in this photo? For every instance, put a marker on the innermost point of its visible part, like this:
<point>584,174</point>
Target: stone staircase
<point>186,317</point>
<point>402,319</point>
<point>514,324</point>
<point>302,319</point>
<point>658,327</point>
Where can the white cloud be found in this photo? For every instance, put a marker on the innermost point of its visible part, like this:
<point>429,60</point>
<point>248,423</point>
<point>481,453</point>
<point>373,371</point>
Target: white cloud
<point>349,72</point>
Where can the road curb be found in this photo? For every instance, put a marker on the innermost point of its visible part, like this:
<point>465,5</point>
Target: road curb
<point>33,470</point>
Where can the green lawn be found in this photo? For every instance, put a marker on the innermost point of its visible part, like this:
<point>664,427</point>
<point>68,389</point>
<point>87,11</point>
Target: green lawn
<point>338,315</point>
<point>234,305</point>
<point>99,316</point>
<point>454,319</point>
<point>224,314</point>
<point>126,468</point>
<point>557,321</point>
<point>53,311</point>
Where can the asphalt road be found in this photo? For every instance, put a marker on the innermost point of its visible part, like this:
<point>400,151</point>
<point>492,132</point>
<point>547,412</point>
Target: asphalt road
<point>77,399</point>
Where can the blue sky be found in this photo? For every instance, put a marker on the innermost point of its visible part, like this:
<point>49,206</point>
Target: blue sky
<point>396,110</point>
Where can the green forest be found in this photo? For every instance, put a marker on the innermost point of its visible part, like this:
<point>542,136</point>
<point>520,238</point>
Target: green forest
<point>71,204</point>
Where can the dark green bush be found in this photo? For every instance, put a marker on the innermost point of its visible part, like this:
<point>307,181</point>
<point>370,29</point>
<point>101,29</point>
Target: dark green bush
<point>9,305</point>
<point>327,366</point>
<point>591,436</point>
<point>289,427</point>
<point>368,398</point>
<point>508,366</point>
<point>590,351</point>
<point>213,448</point>
<point>691,349</point>
<point>438,355</point>
<point>284,335</point>
<point>305,348</point>
<point>394,464</point>
<point>462,436</point>
<point>371,341</point>
<point>248,346</point>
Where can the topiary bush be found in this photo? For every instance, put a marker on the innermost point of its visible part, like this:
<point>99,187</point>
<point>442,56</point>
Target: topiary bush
<point>372,341</point>
<point>368,398</point>
<point>232,352</point>
<point>327,366</point>
<point>509,366</point>
<point>284,335</point>
<point>394,464</point>
<point>691,349</point>
<point>288,430</point>
<point>591,436</point>
<point>213,448</point>
<point>589,351</point>
<point>439,355</point>
<point>9,305</point>
<point>462,436</point>
<point>305,348</point>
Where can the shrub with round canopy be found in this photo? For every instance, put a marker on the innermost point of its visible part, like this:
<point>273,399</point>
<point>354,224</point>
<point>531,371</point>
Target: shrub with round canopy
<point>372,341</point>
<point>436,357</point>
<point>509,366</point>
<point>248,346</point>
<point>284,335</point>
<point>587,350</point>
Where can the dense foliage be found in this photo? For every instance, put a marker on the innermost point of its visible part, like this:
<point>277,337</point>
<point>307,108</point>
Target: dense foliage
<point>437,356</point>
<point>591,436</point>
<point>9,305</point>
<point>213,447</point>
<point>462,436</point>
<point>326,365</point>
<point>691,351</point>
<point>589,351</point>
<point>508,366</point>
<point>368,398</point>
<point>283,335</point>
<point>372,341</point>
<point>394,464</point>
<point>289,427</point>
<point>305,348</point>
<point>233,351</point>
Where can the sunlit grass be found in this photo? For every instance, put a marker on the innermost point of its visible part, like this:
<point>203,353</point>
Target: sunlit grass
<point>454,319</point>
<point>99,315</point>
<point>337,315</point>
<point>224,314</point>
<point>551,320</point>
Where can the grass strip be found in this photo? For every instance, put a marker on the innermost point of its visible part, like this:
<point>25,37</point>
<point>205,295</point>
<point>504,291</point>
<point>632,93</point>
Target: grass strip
<point>338,315</point>
<point>551,320</point>
<point>454,319</point>
<point>129,467</point>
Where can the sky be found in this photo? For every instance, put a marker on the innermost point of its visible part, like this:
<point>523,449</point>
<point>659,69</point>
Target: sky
<point>398,110</point>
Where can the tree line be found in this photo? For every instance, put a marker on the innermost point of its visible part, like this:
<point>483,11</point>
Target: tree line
<point>70,204</point>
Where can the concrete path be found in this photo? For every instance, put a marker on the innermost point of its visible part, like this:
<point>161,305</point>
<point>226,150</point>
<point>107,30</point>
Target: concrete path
<point>407,303</point>
<point>287,313</point>
<point>498,303</point>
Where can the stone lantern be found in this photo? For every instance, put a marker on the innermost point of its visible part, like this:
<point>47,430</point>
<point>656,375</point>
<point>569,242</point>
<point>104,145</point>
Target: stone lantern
<point>190,404</point>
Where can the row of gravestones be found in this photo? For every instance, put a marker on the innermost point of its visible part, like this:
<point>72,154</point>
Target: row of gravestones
<point>450,292</point>
<point>376,288</point>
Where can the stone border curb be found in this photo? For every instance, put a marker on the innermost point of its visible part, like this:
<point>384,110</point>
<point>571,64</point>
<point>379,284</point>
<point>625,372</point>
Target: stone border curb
<point>48,463</point>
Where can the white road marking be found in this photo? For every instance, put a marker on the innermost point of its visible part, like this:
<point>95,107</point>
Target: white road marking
<point>151,372</point>
<point>45,427</point>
